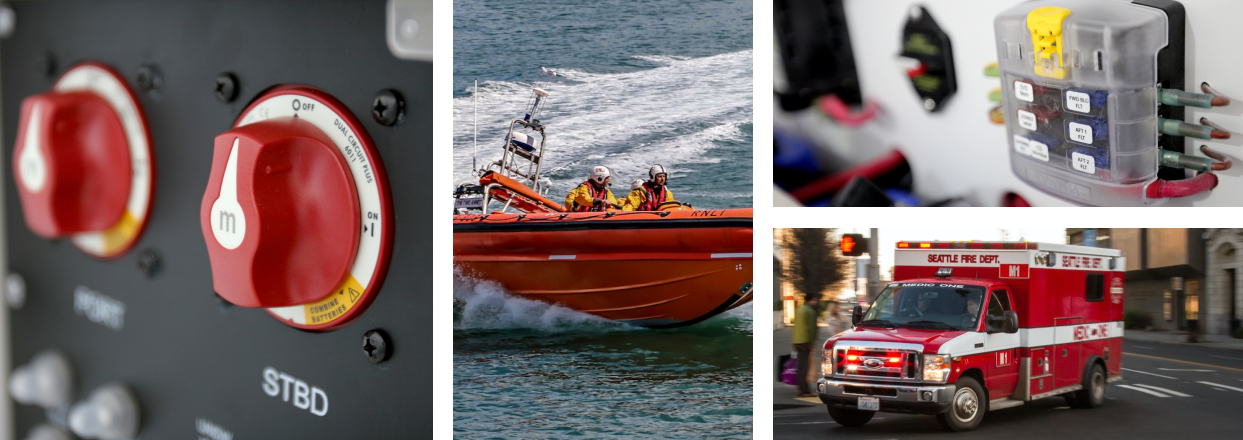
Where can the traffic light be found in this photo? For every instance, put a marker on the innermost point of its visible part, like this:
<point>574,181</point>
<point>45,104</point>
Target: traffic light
<point>853,245</point>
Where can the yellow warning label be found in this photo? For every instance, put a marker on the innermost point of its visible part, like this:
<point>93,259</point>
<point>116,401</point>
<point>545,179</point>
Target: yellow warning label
<point>334,306</point>
<point>121,234</point>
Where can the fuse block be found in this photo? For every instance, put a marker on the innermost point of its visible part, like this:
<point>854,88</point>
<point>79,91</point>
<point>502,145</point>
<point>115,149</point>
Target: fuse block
<point>1080,85</point>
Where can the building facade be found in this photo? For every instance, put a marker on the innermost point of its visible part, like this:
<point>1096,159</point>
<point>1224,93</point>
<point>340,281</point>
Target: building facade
<point>1224,264</point>
<point>1167,275</point>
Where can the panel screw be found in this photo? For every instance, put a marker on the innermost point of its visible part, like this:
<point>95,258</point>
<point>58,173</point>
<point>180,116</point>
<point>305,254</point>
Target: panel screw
<point>376,346</point>
<point>149,262</point>
<point>388,108</point>
<point>46,65</point>
<point>226,87</point>
<point>148,77</point>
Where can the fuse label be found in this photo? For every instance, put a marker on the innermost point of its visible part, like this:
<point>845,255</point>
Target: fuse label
<point>1083,162</point>
<point>1039,150</point>
<point>1022,145</point>
<point>1027,120</point>
<point>1023,91</point>
<point>1078,101</point>
<point>1081,133</point>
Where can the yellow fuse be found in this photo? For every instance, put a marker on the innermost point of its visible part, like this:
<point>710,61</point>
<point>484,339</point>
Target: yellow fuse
<point>1045,25</point>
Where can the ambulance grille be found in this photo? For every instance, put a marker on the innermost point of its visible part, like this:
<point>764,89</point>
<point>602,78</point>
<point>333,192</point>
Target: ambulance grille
<point>880,364</point>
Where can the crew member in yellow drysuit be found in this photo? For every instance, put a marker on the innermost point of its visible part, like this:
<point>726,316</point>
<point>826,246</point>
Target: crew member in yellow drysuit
<point>637,185</point>
<point>592,195</point>
<point>653,193</point>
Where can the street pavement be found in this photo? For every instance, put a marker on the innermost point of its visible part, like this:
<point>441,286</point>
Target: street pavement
<point>1169,390</point>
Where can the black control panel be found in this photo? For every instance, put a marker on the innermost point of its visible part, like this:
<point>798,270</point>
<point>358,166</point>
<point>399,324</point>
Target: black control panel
<point>149,318</point>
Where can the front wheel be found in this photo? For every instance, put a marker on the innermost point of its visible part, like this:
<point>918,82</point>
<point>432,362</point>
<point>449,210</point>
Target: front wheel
<point>967,408</point>
<point>850,417</point>
<point>1093,393</point>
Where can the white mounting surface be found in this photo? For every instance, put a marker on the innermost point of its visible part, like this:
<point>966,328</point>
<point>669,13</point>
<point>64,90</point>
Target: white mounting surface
<point>957,152</point>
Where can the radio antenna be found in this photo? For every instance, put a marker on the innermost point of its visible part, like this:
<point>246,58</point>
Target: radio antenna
<point>474,153</point>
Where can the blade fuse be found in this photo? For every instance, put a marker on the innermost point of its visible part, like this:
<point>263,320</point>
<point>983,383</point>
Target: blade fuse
<point>1082,78</point>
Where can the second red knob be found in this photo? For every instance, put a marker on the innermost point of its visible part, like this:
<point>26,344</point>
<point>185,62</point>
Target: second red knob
<point>280,215</point>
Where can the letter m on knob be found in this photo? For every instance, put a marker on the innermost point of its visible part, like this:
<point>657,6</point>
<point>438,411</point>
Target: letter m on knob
<point>280,215</point>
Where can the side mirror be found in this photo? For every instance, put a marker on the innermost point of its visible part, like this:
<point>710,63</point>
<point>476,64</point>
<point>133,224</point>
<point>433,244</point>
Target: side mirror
<point>1011,323</point>
<point>856,315</point>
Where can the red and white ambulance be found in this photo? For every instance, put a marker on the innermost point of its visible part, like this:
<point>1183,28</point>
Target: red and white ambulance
<point>970,327</point>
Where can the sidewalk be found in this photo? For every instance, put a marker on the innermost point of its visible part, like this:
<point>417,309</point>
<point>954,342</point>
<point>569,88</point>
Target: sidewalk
<point>786,396</point>
<point>1222,342</point>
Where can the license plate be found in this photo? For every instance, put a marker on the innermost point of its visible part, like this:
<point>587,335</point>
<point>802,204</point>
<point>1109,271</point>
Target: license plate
<point>869,403</point>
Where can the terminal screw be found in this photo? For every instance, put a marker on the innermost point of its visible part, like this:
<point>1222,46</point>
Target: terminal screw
<point>226,87</point>
<point>149,262</point>
<point>388,108</point>
<point>148,77</point>
<point>376,346</point>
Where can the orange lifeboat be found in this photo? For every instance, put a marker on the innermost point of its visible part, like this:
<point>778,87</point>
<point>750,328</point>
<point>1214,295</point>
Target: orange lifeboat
<point>651,269</point>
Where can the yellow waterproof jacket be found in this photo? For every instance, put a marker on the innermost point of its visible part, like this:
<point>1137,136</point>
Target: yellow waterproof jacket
<point>639,199</point>
<point>627,203</point>
<point>582,198</point>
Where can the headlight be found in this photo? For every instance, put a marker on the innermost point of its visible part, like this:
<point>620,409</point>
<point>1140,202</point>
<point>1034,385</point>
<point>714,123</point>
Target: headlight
<point>936,368</point>
<point>826,362</point>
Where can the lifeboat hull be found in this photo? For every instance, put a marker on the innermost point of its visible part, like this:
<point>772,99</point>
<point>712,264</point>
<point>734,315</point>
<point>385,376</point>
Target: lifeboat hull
<point>651,269</point>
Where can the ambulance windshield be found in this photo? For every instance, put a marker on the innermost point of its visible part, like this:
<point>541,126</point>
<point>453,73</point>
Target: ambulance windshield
<point>926,306</point>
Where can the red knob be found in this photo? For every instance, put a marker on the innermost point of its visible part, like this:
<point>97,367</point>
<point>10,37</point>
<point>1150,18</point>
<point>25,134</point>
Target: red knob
<point>280,214</point>
<point>72,164</point>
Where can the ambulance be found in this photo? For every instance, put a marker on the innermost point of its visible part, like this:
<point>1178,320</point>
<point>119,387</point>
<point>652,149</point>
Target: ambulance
<point>972,327</point>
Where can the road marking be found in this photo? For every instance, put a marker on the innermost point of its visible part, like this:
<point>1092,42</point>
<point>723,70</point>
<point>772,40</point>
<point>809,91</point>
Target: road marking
<point>1143,390</point>
<point>1222,386</point>
<point>814,400</point>
<point>1145,348</point>
<point>1223,357</point>
<point>1185,369</point>
<point>1150,374</point>
<point>1176,393</point>
<point>1185,362</point>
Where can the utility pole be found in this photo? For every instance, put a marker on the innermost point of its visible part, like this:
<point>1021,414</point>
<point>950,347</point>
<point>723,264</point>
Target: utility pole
<point>874,265</point>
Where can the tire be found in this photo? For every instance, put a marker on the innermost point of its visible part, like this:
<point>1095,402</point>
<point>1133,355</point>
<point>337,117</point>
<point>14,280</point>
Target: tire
<point>1093,393</point>
<point>850,417</point>
<point>967,407</point>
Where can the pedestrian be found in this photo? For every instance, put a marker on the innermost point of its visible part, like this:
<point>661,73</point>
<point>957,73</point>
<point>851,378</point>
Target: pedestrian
<point>804,337</point>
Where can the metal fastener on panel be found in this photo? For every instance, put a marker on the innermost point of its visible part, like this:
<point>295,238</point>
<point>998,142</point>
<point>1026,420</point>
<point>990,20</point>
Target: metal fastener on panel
<point>226,87</point>
<point>388,107</point>
<point>46,65</point>
<point>148,77</point>
<point>376,346</point>
<point>149,262</point>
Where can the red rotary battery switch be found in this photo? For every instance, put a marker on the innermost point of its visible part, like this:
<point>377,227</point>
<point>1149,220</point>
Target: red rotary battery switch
<point>83,162</point>
<point>72,164</point>
<point>297,213</point>
<point>280,214</point>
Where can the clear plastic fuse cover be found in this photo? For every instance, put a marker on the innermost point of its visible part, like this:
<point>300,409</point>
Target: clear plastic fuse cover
<point>1080,95</point>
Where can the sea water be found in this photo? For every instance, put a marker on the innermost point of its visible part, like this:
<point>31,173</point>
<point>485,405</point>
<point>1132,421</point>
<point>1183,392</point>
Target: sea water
<point>638,83</point>
<point>525,369</point>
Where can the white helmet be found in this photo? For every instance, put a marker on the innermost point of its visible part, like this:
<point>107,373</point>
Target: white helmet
<point>598,174</point>
<point>636,184</point>
<point>657,170</point>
